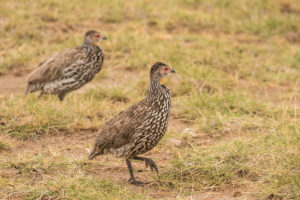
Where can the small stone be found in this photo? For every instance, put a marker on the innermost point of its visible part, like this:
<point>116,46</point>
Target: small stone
<point>292,37</point>
<point>236,193</point>
<point>175,142</point>
<point>188,132</point>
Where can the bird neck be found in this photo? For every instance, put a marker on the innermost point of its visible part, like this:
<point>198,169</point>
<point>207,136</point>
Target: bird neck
<point>89,46</point>
<point>155,85</point>
<point>86,44</point>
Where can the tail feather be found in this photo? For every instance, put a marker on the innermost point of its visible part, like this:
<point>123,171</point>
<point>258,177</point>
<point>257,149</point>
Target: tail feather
<point>27,89</point>
<point>95,152</point>
<point>33,87</point>
<point>92,154</point>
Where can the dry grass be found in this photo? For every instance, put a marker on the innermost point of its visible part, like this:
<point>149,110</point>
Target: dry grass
<point>235,107</point>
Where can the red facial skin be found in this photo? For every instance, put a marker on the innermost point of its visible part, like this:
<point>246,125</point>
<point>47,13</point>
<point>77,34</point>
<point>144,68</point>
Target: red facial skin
<point>165,70</point>
<point>97,36</point>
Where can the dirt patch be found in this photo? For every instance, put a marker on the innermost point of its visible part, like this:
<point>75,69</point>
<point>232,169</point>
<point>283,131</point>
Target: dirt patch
<point>114,77</point>
<point>287,94</point>
<point>10,84</point>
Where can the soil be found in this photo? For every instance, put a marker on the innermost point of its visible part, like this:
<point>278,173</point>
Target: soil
<point>11,84</point>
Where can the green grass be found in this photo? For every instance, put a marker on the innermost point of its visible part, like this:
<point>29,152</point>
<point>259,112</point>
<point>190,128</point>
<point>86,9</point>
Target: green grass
<point>4,146</point>
<point>236,88</point>
<point>34,179</point>
<point>28,118</point>
<point>267,160</point>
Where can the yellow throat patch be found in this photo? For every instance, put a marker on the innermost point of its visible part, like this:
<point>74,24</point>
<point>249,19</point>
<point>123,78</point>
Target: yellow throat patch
<point>161,81</point>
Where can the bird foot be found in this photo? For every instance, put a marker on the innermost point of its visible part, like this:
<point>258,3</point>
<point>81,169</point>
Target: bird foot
<point>149,162</point>
<point>137,183</point>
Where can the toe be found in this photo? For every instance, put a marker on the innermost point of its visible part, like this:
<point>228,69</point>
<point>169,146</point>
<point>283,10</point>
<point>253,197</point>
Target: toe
<point>135,182</point>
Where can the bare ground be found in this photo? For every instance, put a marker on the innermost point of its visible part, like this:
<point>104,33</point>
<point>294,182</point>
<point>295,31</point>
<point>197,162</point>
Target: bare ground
<point>10,84</point>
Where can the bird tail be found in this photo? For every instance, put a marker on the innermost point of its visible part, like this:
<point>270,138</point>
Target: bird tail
<point>96,151</point>
<point>33,87</point>
<point>27,89</point>
<point>93,153</point>
<point>91,156</point>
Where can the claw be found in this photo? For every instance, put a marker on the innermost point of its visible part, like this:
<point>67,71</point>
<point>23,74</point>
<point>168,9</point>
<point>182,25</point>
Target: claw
<point>135,182</point>
<point>149,162</point>
<point>146,164</point>
<point>151,168</point>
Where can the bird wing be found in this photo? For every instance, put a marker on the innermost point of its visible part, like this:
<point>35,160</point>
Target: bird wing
<point>53,67</point>
<point>119,130</point>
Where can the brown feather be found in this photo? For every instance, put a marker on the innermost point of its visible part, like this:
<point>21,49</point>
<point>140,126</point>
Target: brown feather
<point>52,68</point>
<point>68,70</point>
<point>139,128</point>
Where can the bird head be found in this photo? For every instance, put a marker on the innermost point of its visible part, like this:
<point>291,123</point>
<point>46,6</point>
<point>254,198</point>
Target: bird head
<point>160,70</point>
<point>92,37</point>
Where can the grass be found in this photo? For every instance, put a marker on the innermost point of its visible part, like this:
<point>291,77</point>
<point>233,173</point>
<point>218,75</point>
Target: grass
<point>236,89</point>
<point>4,146</point>
<point>50,117</point>
<point>256,158</point>
<point>34,180</point>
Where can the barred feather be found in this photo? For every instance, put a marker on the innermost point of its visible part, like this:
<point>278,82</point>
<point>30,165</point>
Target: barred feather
<point>139,128</point>
<point>68,70</point>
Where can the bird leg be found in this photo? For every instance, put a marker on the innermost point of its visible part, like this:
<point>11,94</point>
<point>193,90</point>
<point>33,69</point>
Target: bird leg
<point>132,178</point>
<point>61,96</point>
<point>41,94</point>
<point>149,162</point>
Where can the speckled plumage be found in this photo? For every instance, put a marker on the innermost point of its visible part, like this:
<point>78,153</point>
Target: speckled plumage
<point>68,70</point>
<point>139,128</point>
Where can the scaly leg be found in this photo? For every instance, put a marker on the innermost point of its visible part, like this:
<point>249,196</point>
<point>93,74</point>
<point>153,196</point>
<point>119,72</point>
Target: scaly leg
<point>132,179</point>
<point>149,162</point>
<point>41,94</point>
<point>61,96</point>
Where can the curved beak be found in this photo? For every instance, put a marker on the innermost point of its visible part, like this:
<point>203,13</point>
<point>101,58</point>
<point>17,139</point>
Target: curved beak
<point>104,37</point>
<point>172,71</point>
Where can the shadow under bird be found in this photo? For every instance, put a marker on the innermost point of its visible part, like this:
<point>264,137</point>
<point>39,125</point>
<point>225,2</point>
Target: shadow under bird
<point>139,128</point>
<point>68,70</point>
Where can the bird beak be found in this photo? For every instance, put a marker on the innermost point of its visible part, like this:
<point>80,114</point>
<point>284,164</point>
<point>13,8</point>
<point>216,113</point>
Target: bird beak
<point>172,71</point>
<point>104,37</point>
